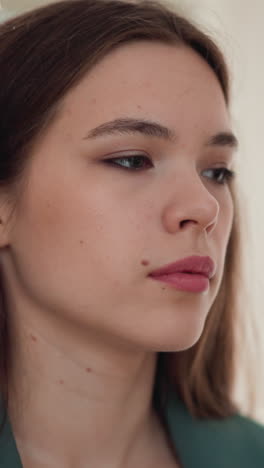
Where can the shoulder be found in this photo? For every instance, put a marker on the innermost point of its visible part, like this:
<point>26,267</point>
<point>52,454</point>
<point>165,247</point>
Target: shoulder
<point>246,436</point>
<point>234,442</point>
<point>9,455</point>
<point>236,438</point>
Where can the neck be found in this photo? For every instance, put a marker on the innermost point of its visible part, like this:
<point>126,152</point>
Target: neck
<point>79,405</point>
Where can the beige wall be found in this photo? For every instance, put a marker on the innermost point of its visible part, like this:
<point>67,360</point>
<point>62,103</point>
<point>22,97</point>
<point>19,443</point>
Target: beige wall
<point>20,5</point>
<point>238,27</point>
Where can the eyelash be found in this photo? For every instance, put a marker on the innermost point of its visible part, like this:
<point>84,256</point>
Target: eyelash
<point>226,174</point>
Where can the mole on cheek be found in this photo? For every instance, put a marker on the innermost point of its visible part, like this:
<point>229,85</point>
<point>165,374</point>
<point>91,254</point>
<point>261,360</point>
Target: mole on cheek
<point>33,338</point>
<point>88,369</point>
<point>145,262</point>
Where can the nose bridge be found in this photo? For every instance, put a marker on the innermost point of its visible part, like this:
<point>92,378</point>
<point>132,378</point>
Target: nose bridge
<point>192,203</point>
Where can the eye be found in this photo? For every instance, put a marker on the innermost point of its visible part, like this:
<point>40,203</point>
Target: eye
<point>134,163</point>
<point>219,175</point>
<point>139,162</point>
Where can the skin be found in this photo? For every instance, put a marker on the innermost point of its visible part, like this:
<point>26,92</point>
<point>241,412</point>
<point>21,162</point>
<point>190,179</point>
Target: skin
<point>86,320</point>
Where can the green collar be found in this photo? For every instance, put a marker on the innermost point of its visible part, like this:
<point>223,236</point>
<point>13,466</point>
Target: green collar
<point>233,442</point>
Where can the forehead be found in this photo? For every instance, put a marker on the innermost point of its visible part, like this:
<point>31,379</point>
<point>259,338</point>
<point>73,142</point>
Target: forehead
<point>169,83</point>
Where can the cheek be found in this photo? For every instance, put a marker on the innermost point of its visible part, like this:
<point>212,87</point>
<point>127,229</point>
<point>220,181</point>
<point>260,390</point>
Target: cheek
<point>229,215</point>
<point>223,231</point>
<point>226,216</point>
<point>73,237</point>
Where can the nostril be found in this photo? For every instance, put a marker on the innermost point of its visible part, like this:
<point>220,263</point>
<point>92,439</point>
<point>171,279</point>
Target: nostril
<point>210,227</point>
<point>185,221</point>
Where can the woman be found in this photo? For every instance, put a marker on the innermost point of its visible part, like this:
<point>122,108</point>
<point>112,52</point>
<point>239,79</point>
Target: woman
<point>117,161</point>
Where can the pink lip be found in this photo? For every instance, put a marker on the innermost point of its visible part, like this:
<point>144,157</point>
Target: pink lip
<point>188,274</point>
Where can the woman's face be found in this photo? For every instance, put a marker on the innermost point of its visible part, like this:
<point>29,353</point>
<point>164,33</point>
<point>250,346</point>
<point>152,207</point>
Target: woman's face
<point>87,233</point>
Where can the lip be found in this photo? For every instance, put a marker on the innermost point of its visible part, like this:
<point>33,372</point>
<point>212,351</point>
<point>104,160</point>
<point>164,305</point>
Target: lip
<point>196,265</point>
<point>191,274</point>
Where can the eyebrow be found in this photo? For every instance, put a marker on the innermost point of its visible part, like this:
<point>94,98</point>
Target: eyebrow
<point>150,128</point>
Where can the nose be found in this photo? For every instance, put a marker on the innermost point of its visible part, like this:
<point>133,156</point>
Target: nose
<point>191,205</point>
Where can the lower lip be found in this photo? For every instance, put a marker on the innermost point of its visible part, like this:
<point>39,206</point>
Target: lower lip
<point>185,281</point>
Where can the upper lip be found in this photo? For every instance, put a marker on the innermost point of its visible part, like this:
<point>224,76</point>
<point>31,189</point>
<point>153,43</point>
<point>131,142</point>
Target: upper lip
<point>194,264</point>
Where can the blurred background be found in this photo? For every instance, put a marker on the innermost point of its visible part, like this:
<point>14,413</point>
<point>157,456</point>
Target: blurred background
<point>238,28</point>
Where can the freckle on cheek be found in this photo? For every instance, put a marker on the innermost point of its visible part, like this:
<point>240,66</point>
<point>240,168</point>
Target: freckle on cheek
<point>145,262</point>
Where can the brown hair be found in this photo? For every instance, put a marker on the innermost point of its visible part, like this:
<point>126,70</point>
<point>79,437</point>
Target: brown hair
<point>43,54</point>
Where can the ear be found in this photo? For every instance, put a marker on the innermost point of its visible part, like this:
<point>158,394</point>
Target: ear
<point>5,224</point>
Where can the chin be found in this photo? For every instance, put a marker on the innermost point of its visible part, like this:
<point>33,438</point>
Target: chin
<point>179,340</point>
<point>180,344</point>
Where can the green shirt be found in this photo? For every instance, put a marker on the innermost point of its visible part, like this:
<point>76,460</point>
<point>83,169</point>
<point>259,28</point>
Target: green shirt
<point>235,442</point>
